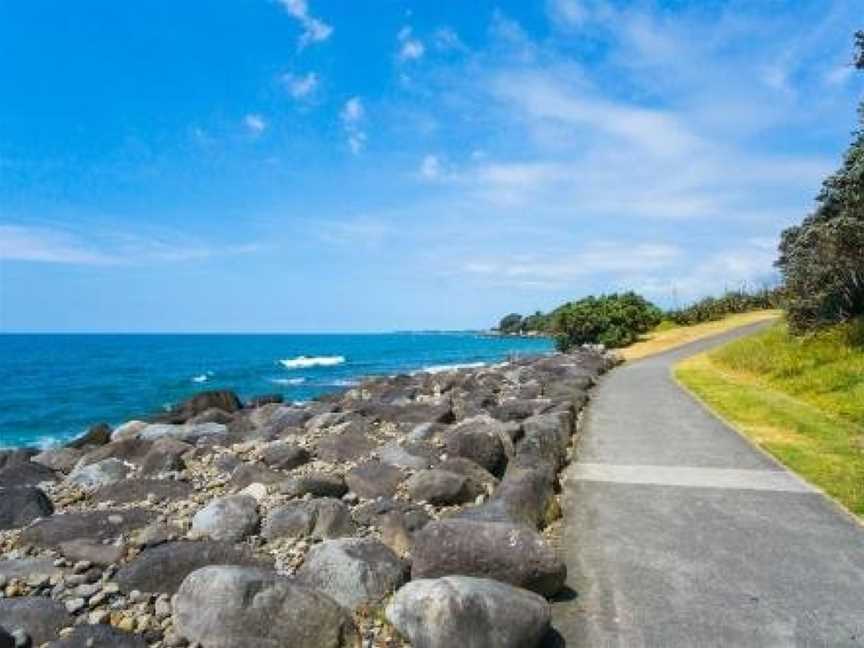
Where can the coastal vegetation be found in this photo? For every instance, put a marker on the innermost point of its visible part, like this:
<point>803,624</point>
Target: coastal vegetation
<point>822,259</point>
<point>800,398</point>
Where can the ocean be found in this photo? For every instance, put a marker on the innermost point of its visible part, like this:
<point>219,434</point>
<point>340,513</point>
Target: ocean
<point>53,387</point>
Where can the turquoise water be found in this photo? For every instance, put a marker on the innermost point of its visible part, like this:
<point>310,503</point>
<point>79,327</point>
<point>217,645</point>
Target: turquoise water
<point>52,387</point>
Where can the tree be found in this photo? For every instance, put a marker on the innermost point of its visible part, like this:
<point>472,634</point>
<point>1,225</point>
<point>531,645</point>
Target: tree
<point>822,259</point>
<point>612,320</point>
<point>511,323</point>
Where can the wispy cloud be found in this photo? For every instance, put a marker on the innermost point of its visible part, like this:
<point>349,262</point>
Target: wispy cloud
<point>301,87</point>
<point>430,167</point>
<point>255,123</point>
<point>410,47</point>
<point>315,30</point>
<point>58,245</point>
<point>352,116</point>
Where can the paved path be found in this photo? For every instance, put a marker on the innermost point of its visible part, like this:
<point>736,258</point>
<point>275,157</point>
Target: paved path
<point>679,533</point>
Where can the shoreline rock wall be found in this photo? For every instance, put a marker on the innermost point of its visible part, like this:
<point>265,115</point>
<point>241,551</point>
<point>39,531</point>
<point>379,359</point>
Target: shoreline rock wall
<point>407,511</point>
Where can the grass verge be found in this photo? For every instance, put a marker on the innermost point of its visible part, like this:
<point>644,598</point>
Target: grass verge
<point>801,400</point>
<point>669,336</point>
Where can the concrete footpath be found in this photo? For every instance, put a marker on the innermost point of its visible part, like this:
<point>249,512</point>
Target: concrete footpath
<point>679,533</point>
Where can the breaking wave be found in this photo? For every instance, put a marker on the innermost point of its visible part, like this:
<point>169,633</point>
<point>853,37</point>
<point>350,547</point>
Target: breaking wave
<point>304,362</point>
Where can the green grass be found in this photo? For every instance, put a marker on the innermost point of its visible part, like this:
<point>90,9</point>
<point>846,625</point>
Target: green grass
<point>801,399</point>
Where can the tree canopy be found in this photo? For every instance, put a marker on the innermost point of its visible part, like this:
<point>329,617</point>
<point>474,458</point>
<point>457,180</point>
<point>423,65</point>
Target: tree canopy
<point>822,259</point>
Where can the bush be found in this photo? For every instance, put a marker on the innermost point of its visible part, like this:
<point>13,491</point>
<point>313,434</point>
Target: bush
<point>822,259</point>
<point>612,320</point>
<point>714,308</point>
<point>511,323</point>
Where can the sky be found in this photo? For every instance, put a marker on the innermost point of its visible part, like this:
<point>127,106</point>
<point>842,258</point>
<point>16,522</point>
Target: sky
<point>375,165</point>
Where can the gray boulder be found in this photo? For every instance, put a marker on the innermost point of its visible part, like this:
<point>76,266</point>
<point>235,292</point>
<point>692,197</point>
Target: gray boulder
<point>225,400</point>
<point>25,473</point>
<point>227,607</point>
<point>469,613</point>
<point>230,518</point>
<point>414,455</point>
<point>161,569</point>
<point>165,456</point>
<point>509,553</point>
<point>374,479</point>
<point>41,618</point>
<point>194,433</point>
<point>255,473</point>
<point>318,484</point>
<point>138,490</point>
<point>439,487</point>
<point>59,459</point>
<point>129,450</point>
<point>99,636</point>
<point>97,475</point>
<point>480,480</point>
<point>480,440</point>
<point>372,513</point>
<point>349,445</point>
<point>353,571</point>
<point>96,526</point>
<point>97,435</point>
<point>284,455</point>
<point>319,518</point>
<point>96,553</point>
<point>20,506</point>
<point>24,567</point>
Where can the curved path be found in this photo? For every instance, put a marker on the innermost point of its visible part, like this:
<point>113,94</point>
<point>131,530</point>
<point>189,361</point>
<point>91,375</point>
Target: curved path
<point>678,532</point>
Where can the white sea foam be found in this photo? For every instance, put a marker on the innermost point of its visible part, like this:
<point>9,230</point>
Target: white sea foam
<point>345,383</point>
<point>288,381</point>
<point>451,367</point>
<point>304,362</point>
<point>200,378</point>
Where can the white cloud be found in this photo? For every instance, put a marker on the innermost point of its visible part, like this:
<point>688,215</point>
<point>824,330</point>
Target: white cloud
<point>59,245</point>
<point>446,39</point>
<point>410,48</point>
<point>839,75</point>
<point>352,115</point>
<point>301,87</point>
<point>430,167</point>
<point>314,29</point>
<point>255,123</point>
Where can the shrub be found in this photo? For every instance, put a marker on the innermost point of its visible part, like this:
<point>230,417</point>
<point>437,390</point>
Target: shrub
<point>736,301</point>
<point>612,320</point>
<point>511,323</point>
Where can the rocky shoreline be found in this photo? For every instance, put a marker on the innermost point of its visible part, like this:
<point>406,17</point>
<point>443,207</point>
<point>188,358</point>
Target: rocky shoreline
<point>406,511</point>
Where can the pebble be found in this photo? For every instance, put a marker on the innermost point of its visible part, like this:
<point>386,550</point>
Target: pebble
<point>74,605</point>
<point>98,617</point>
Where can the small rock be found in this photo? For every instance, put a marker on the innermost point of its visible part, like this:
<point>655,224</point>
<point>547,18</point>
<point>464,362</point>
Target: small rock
<point>231,518</point>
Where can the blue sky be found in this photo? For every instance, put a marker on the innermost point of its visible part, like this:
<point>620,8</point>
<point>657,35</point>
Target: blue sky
<point>281,165</point>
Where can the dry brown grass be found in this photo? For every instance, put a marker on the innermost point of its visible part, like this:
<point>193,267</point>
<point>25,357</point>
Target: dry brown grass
<point>664,339</point>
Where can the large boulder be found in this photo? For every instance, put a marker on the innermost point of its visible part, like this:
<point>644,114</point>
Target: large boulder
<point>319,518</point>
<point>96,475</point>
<point>194,433</point>
<point>479,439</point>
<point>103,526</point>
<point>284,455</point>
<point>165,456</point>
<point>517,409</point>
<point>59,459</point>
<point>99,636</point>
<point>227,607</point>
<point>374,479</point>
<point>40,618</point>
<point>224,400</point>
<point>509,553</point>
<point>25,473</point>
<point>317,484</point>
<point>24,567</point>
<point>373,512</point>
<point>255,473</point>
<point>20,506</point>
<point>415,455</point>
<point>350,445</point>
<point>97,435</point>
<point>16,456</point>
<point>480,480</point>
<point>353,571</point>
<point>230,518</point>
<point>129,450</point>
<point>439,487</point>
<point>469,613</point>
<point>161,569</point>
<point>139,490</point>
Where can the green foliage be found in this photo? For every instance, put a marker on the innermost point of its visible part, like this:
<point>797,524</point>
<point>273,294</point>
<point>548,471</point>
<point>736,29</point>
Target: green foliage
<point>612,320</point>
<point>511,323</point>
<point>733,301</point>
<point>822,259</point>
